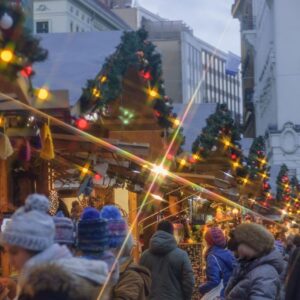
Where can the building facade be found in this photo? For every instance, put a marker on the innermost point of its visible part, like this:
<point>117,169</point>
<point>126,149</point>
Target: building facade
<point>269,31</point>
<point>200,67</point>
<point>54,16</point>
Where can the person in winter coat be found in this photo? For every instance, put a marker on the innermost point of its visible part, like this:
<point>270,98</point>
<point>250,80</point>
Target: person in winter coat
<point>260,265</point>
<point>220,262</point>
<point>93,241</point>
<point>135,280</point>
<point>292,291</point>
<point>60,282</point>
<point>170,267</point>
<point>29,237</point>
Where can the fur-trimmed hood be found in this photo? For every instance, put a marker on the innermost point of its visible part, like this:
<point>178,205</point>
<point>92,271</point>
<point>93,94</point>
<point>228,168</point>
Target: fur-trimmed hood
<point>256,237</point>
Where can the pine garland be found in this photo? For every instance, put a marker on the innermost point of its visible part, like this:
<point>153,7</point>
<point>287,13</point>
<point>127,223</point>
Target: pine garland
<point>135,52</point>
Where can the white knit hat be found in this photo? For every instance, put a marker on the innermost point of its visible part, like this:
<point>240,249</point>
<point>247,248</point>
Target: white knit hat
<point>31,227</point>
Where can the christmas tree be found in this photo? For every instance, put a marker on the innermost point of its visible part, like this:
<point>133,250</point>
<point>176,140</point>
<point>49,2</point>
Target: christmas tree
<point>18,48</point>
<point>258,167</point>
<point>294,204</point>
<point>283,195</point>
<point>220,129</point>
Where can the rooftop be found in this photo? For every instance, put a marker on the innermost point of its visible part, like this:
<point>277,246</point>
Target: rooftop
<point>69,64</point>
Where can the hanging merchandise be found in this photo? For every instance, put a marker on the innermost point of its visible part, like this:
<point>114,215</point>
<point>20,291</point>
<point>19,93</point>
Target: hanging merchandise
<point>47,151</point>
<point>86,186</point>
<point>25,151</point>
<point>6,149</point>
<point>36,140</point>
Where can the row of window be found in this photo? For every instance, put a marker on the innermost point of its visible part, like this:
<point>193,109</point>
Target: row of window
<point>44,27</point>
<point>80,15</point>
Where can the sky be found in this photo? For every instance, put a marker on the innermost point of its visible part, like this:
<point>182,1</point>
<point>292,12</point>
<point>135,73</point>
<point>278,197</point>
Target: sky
<point>211,20</point>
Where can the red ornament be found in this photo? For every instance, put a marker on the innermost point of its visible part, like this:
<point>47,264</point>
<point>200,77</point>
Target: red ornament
<point>98,177</point>
<point>82,123</point>
<point>146,75</point>
<point>233,156</point>
<point>286,198</point>
<point>157,113</point>
<point>266,186</point>
<point>27,71</point>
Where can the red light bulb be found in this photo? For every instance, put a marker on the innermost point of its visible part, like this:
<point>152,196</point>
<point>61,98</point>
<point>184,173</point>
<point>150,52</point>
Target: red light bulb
<point>97,177</point>
<point>82,124</point>
<point>27,71</point>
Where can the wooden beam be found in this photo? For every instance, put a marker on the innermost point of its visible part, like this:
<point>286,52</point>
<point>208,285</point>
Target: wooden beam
<point>133,208</point>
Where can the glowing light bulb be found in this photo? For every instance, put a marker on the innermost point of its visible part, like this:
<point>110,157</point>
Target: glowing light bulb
<point>153,93</point>
<point>159,170</point>
<point>96,92</point>
<point>176,122</point>
<point>43,94</point>
<point>6,55</point>
<point>85,170</point>
<point>183,162</point>
<point>103,79</point>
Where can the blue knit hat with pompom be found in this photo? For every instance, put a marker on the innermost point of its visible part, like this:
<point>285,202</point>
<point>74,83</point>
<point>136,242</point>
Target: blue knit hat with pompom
<point>116,225</point>
<point>92,232</point>
<point>31,227</point>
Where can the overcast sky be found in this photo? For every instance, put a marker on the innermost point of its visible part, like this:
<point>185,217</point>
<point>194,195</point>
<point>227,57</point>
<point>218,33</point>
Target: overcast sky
<point>211,20</point>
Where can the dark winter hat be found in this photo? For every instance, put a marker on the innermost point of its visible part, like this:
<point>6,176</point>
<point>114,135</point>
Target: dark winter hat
<point>116,225</point>
<point>254,236</point>
<point>64,230</point>
<point>215,237</point>
<point>166,226</point>
<point>92,232</point>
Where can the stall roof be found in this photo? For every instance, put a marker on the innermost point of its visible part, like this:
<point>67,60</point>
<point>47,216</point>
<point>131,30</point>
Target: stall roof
<point>73,59</point>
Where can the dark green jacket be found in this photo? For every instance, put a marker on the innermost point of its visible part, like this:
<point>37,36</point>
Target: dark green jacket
<point>170,267</point>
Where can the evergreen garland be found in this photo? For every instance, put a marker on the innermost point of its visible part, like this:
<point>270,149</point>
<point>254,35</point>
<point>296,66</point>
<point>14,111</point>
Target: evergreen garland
<point>15,38</point>
<point>135,52</point>
<point>220,125</point>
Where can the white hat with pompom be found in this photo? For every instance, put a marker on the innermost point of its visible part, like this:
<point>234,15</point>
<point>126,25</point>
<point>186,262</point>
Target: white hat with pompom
<point>31,226</point>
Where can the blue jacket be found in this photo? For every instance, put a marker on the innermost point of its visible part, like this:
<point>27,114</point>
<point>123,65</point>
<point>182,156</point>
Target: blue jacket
<point>227,263</point>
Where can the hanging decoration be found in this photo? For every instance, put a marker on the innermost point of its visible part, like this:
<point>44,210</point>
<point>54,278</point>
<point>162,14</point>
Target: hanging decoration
<point>6,149</point>
<point>54,202</point>
<point>18,48</point>
<point>47,151</point>
<point>133,52</point>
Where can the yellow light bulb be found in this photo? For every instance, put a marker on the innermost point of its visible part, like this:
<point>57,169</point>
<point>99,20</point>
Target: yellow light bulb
<point>153,93</point>
<point>96,92</point>
<point>176,122</point>
<point>236,164</point>
<point>183,162</point>
<point>43,94</point>
<point>6,55</point>
<point>196,157</point>
<point>245,180</point>
<point>85,170</point>
<point>103,79</point>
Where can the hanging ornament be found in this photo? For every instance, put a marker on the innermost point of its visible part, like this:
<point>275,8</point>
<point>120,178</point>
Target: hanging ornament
<point>106,111</point>
<point>214,148</point>
<point>54,202</point>
<point>25,151</point>
<point>47,151</point>
<point>233,156</point>
<point>6,21</point>
<point>82,124</point>
<point>6,149</point>
<point>145,74</point>
<point>27,71</point>
<point>36,140</point>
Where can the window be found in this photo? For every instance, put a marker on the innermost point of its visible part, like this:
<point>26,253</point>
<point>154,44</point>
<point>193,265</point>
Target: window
<point>71,27</point>
<point>77,13</point>
<point>42,27</point>
<point>77,28</point>
<point>71,9</point>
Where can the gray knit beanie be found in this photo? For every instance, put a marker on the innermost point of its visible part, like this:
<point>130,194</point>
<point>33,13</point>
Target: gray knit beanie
<point>31,227</point>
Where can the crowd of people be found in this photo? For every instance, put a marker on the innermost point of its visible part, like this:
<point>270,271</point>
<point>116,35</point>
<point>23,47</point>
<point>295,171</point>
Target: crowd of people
<point>57,258</point>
